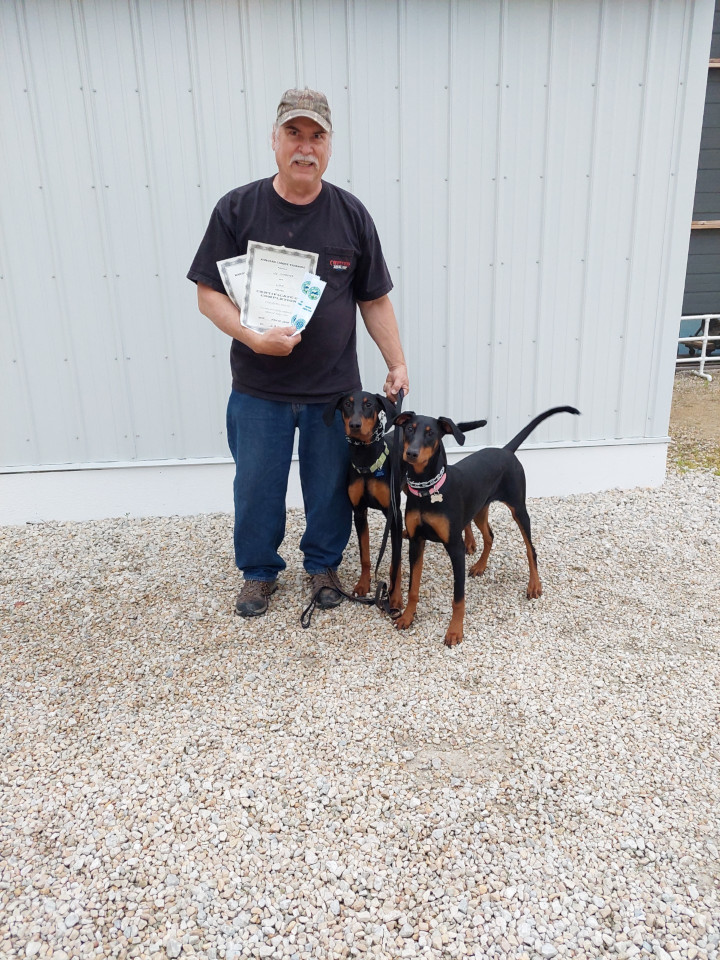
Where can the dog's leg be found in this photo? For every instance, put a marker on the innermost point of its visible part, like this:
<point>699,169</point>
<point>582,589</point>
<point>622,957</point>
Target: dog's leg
<point>454,633</point>
<point>363,534</point>
<point>469,538</point>
<point>521,517</point>
<point>417,551</point>
<point>483,525</point>
<point>395,599</point>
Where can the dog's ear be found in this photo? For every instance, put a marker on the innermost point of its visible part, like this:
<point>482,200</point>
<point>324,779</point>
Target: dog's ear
<point>333,405</point>
<point>467,425</point>
<point>386,406</point>
<point>448,426</point>
<point>402,418</point>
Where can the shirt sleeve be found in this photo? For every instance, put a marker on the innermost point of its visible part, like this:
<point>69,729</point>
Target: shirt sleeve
<point>372,279</point>
<point>217,244</point>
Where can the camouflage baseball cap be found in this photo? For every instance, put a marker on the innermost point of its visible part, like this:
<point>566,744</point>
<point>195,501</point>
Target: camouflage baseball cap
<point>304,103</point>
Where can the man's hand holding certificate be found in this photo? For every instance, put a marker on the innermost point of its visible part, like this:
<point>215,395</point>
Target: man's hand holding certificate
<point>272,286</point>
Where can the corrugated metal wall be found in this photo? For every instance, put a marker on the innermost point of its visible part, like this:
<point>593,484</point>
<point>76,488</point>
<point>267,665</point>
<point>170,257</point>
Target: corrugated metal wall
<point>529,164</point>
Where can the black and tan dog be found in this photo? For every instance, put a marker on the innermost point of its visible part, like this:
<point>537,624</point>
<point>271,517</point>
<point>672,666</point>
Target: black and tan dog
<point>442,500</point>
<point>369,477</point>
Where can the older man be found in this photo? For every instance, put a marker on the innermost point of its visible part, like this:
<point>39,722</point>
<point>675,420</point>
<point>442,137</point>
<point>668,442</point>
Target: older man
<point>282,379</point>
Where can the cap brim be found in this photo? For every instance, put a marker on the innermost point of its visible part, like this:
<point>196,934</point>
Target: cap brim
<point>310,114</point>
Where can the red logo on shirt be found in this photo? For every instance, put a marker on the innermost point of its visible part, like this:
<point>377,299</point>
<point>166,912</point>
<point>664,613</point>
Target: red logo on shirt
<point>340,264</point>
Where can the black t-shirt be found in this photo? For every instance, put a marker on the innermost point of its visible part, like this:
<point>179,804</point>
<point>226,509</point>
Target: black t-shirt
<point>339,229</point>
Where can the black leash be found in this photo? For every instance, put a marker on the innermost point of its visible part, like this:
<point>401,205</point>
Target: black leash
<point>380,600</point>
<point>394,519</point>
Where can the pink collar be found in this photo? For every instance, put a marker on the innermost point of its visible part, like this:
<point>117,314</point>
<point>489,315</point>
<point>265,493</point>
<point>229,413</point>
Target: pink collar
<point>425,491</point>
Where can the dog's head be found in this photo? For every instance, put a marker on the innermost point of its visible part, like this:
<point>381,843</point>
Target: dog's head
<point>422,437</point>
<point>360,412</point>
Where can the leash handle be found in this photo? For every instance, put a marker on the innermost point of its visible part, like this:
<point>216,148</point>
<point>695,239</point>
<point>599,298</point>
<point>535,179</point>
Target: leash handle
<point>306,616</point>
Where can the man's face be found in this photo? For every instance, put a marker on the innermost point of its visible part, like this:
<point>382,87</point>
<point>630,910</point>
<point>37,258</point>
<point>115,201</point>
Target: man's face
<point>302,151</point>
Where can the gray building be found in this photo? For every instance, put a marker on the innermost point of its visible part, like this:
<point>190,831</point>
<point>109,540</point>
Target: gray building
<point>530,165</point>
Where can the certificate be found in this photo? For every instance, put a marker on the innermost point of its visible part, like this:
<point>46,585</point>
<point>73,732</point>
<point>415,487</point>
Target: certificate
<point>274,277</point>
<point>233,273</point>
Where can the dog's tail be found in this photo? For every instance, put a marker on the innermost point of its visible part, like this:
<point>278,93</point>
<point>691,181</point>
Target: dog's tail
<point>526,431</point>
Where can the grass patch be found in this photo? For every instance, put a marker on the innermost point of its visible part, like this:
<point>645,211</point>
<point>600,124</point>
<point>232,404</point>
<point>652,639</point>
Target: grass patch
<point>690,454</point>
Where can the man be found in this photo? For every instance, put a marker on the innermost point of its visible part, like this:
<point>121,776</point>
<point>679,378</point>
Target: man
<point>282,379</point>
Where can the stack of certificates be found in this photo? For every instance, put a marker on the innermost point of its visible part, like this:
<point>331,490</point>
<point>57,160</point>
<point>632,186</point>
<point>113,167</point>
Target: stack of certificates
<point>272,286</point>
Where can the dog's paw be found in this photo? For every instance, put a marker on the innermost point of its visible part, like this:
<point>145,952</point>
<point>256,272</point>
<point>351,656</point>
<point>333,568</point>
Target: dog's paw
<point>404,621</point>
<point>534,590</point>
<point>477,569</point>
<point>452,638</point>
<point>361,588</point>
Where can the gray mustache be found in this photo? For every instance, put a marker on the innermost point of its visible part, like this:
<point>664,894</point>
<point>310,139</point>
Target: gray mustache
<point>300,156</point>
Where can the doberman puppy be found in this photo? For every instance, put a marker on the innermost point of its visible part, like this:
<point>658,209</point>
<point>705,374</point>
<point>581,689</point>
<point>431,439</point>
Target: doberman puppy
<point>442,500</point>
<point>368,476</point>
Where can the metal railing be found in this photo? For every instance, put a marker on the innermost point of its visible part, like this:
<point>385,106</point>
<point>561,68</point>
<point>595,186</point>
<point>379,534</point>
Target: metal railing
<point>702,342</point>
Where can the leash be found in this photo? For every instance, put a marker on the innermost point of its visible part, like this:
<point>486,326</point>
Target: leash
<point>381,600</point>
<point>394,519</point>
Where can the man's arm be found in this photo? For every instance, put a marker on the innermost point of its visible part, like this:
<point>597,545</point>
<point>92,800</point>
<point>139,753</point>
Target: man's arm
<point>380,322</point>
<point>278,342</point>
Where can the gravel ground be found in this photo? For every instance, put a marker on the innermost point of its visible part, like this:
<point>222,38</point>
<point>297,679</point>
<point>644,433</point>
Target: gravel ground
<point>176,781</point>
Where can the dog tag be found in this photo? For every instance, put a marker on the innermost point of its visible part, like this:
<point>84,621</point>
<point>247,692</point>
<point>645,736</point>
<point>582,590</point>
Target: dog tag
<point>436,498</point>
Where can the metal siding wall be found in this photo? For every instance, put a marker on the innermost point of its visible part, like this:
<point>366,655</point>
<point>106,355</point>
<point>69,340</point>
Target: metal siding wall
<point>565,314</point>
<point>654,214</point>
<point>522,145</point>
<point>472,210</point>
<point>370,158</point>
<point>526,163</point>
<point>424,130</point>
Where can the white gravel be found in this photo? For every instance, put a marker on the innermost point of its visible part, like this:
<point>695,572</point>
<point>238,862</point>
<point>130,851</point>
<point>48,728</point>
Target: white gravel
<point>176,781</point>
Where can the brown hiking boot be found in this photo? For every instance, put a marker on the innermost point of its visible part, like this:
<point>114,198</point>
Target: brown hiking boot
<point>252,601</point>
<point>325,589</point>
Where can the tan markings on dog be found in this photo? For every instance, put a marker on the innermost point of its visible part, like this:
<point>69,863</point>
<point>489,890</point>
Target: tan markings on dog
<point>534,587</point>
<point>481,520</point>
<point>412,521</point>
<point>364,433</point>
<point>380,491</point>
<point>469,539</point>
<point>363,585</point>
<point>424,457</point>
<point>439,523</point>
<point>408,614</point>
<point>356,490</point>
<point>454,633</point>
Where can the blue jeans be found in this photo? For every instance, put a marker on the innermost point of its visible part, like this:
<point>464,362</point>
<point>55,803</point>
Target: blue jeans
<point>261,435</point>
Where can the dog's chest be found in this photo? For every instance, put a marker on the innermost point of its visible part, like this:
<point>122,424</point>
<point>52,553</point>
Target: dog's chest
<point>428,524</point>
<point>368,491</point>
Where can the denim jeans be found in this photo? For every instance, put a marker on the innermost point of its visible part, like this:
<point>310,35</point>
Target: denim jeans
<point>261,435</point>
